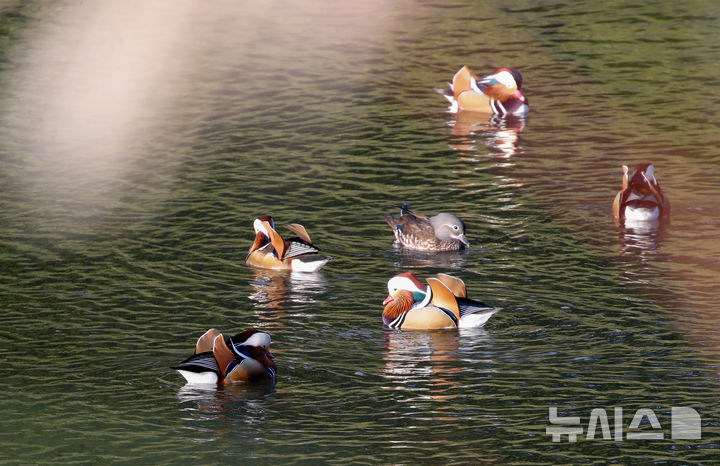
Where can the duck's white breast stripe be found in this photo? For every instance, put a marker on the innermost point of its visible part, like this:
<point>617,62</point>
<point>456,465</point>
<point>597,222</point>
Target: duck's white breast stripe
<point>397,323</point>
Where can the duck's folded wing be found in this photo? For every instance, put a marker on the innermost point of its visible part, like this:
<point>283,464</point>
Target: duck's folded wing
<point>298,248</point>
<point>470,306</point>
<point>201,362</point>
<point>414,225</point>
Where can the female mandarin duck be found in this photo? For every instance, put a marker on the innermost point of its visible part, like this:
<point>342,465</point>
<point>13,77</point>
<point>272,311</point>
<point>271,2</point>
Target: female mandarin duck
<point>243,358</point>
<point>497,93</point>
<point>271,251</point>
<point>442,232</point>
<point>442,303</point>
<point>641,198</point>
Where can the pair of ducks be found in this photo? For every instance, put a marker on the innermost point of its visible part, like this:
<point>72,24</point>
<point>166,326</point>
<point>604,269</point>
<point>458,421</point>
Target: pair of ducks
<point>440,302</point>
<point>443,232</point>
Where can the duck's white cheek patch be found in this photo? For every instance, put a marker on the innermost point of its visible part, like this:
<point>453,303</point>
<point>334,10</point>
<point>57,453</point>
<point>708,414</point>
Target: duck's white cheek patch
<point>506,79</point>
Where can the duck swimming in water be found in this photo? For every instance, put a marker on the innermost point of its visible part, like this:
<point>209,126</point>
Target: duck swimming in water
<point>641,198</point>
<point>442,303</point>
<point>272,251</point>
<point>246,357</point>
<point>496,93</point>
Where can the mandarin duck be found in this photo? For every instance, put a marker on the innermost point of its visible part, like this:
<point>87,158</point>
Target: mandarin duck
<point>442,232</point>
<point>497,93</point>
<point>641,198</point>
<point>442,303</point>
<point>243,358</point>
<point>271,251</point>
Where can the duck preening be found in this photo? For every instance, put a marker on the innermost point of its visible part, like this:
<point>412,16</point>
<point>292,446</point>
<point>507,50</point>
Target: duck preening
<point>641,198</point>
<point>442,232</point>
<point>272,251</point>
<point>439,304</point>
<point>496,93</point>
<point>246,357</point>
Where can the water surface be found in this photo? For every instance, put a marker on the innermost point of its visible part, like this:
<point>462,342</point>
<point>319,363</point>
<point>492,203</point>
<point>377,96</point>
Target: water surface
<point>138,143</point>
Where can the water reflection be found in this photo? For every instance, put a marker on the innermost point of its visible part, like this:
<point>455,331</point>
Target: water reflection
<point>225,403</point>
<point>499,133</point>
<point>426,363</point>
<point>641,238</point>
<point>274,288</point>
<point>640,243</point>
<point>446,260</point>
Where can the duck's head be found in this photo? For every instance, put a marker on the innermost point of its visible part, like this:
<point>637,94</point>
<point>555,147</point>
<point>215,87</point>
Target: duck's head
<point>264,357</point>
<point>262,224</point>
<point>449,227</point>
<point>502,84</point>
<point>404,291</point>
<point>252,337</point>
<point>508,77</point>
<point>259,346</point>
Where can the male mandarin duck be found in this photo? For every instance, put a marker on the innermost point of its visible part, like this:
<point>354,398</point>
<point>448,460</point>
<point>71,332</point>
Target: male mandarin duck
<point>271,251</point>
<point>641,197</point>
<point>442,232</point>
<point>243,358</point>
<point>497,93</point>
<point>442,303</point>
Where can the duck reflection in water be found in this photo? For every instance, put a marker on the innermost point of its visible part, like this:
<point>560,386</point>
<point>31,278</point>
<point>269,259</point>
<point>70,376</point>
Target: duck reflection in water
<point>424,363</point>
<point>448,260</point>
<point>274,290</point>
<point>224,405</point>
<point>640,246</point>
<point>500,133</point>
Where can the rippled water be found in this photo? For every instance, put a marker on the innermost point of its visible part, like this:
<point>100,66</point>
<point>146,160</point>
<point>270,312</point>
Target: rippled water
<point>139,141</point>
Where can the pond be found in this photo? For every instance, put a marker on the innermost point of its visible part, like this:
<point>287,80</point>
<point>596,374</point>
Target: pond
<point>139,141</point>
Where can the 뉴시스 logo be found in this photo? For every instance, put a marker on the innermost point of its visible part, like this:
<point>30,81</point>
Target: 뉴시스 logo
<point>684,425</point>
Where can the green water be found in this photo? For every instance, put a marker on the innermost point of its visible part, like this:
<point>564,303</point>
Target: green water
<point>138,141</point>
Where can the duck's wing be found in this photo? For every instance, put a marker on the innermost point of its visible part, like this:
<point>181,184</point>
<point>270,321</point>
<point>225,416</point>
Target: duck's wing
<point>260,241</point>
<point>660,198</point>
<point>295,247</point>
<point>201,362</point>
<point>392,221</point>
<point>300,231</point>
<point>415,225</point>
<point>461,82</point>
<point>277,241</point>
<point>456,285</point>
<point>443,297</point>
<point>205,342</point>
<point>446,92</point>
<point>471,306</point>
<point>223,354</point>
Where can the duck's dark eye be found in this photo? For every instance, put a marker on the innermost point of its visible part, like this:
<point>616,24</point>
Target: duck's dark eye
<point>455,227</point>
